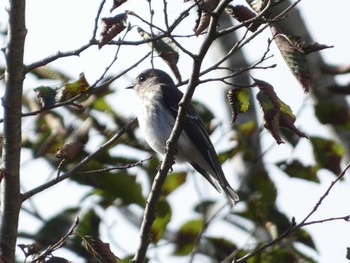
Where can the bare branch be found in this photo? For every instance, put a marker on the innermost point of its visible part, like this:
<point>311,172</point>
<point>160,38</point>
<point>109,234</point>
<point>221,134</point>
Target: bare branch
<point>341,175</point>
<point>124,167</point>
<point>80,165</point>
<point>57,245</point>
<point>293,227</point>
<point>58,55</point>
<point>12,104</point>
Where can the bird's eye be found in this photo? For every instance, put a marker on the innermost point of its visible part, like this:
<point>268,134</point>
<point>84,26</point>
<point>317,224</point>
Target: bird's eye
<point>142,78</point>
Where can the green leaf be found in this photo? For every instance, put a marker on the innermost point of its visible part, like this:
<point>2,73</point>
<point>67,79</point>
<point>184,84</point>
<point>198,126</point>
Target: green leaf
<point>328,153</point>
<point>172,182</point>
<point>239,101</point>
<point>89,224</point>
<point>298,170</point>
<point>163,216</point>
<point>111,185</point>
<point>56,227</point>
<point>332,113</point>
<point>245,145</point>
<point>101,104</point>
<point>294,56</point>
<point>222,247</point>
<point>166,49</point>
<point>187,235</point>
<point>48,96</point>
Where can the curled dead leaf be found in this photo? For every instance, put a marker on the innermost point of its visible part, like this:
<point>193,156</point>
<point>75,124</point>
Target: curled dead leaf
<point>69,150</point>
<point>111,27</point>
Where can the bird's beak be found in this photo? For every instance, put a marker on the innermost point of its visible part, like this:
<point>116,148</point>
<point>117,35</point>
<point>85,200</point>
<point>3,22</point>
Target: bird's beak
<point>130,87</point>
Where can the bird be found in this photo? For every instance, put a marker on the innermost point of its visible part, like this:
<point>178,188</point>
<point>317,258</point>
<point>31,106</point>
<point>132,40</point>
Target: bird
<point>157,111</point>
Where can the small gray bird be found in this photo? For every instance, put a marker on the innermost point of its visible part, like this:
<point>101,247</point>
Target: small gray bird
<point>157,111</point>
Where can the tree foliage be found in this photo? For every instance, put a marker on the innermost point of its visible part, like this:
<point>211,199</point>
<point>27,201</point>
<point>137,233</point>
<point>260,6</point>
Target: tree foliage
<point>82,150</point>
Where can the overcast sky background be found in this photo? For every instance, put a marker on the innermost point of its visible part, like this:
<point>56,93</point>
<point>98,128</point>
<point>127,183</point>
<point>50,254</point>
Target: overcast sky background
<point>66,24</point>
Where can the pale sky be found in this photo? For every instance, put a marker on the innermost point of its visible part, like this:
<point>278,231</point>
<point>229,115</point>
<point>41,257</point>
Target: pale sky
<point>65,25</point>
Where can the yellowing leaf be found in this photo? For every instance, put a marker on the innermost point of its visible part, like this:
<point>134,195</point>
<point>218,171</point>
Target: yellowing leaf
<point>277,114</point>
<point>172,182</point>
<point>239,101</point>
<point>163,216</point>
<point>187,236</point>
<point>80,85</point>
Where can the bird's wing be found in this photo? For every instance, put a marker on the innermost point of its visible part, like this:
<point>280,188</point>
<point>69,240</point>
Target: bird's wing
<point>195,129</point>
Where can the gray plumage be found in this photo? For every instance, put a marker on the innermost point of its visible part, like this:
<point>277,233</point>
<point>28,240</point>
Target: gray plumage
<point>157,111</point>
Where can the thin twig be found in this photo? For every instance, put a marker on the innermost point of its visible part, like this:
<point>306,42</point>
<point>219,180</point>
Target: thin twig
<point>80,165</point>
<point>124,167</point>
<point>341,175</point>
<point>71,101</point>
<point>58,244</point>
<point>293,227</point>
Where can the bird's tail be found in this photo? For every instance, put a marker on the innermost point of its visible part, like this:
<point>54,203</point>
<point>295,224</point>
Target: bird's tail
<point>231,194</point>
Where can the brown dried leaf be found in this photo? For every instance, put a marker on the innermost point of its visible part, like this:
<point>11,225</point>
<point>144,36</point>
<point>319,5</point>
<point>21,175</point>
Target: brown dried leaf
<point>294,56</point>
<point>69,150</point>
<point>241,13</point>
<point>204,15</point>
<point>166,49</point>
<point>100,250</point>
<point>111,27</point>
<point>116,4</point>
<point>30,249</point>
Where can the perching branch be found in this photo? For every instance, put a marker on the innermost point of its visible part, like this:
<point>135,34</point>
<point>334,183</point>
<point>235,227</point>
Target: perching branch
<point>149,213</point>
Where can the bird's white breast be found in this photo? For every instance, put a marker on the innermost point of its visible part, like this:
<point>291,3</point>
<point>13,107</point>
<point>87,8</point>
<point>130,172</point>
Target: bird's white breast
<point>155,122</point>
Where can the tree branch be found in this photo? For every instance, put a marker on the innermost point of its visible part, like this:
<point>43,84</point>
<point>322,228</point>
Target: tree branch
<point>12,103</point>
<point>149,213</point>
<point>80,165</point>
<point>293,227</point>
